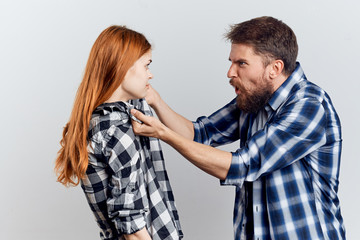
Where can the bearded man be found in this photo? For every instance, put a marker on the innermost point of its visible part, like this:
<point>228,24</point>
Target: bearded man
<point>286,169</point>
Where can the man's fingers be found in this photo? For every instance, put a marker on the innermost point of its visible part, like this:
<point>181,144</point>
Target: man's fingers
<point>141,118</point>
<point>137,114</point>
<point>133,112</point>
<point>140,126</point>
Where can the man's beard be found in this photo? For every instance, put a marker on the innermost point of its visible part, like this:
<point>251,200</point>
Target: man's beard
<point>253,102</point>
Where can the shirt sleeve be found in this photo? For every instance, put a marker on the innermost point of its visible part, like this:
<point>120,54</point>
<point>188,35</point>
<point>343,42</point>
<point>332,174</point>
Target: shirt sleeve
<point>219,128</point>
<point>127,201</point>
<point>297,130</point>
<point>94,185</point>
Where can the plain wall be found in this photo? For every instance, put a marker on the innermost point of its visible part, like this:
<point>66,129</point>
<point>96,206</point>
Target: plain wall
<point>44,46</point>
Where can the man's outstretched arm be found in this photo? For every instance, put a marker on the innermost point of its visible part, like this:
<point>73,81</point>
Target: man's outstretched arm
<point>211,160</point>
<point>169,117</point>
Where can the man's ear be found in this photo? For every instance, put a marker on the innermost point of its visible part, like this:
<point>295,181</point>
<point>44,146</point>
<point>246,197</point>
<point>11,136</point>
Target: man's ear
<point>276,68</point>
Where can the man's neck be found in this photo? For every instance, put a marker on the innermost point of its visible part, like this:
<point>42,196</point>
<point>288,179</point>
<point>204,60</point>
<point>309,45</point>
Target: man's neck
<point>277,82</point>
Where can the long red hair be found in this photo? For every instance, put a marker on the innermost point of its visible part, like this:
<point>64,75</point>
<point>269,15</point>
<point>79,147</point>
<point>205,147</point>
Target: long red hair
<point>115,50</point>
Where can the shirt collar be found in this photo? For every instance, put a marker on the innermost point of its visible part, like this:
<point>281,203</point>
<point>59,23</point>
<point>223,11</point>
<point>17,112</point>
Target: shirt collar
<point>283,91</point>
<point>120,106</point>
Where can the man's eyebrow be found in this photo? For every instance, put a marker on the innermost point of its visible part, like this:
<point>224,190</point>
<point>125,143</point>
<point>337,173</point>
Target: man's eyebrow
<point>238,60</point>
<point>150,61</point>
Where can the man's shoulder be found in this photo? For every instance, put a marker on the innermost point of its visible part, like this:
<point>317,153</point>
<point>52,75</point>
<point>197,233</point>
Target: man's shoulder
<point>305,89</point>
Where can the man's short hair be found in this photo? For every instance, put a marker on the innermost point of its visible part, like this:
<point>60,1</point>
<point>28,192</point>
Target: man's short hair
<point>270,38</point>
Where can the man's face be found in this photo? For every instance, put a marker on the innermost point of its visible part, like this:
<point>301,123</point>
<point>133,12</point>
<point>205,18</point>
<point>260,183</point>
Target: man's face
<point>249,77</point>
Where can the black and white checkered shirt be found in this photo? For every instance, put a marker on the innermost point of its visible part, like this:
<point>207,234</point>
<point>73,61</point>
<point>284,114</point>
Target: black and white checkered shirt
<point>126,184</point>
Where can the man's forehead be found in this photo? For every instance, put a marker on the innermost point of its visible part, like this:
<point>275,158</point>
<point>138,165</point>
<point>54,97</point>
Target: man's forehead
<point>240,50</point>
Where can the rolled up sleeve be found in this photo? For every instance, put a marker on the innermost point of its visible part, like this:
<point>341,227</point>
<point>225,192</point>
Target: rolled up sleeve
<point>290,137</point>
<point>237,172</point>
<point>219,128</point>
<point>127,202</point>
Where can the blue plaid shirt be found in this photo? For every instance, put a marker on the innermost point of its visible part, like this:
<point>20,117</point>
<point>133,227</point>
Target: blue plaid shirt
<point>286,171</point>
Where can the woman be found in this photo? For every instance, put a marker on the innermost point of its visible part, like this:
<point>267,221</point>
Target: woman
<point>123,176</point>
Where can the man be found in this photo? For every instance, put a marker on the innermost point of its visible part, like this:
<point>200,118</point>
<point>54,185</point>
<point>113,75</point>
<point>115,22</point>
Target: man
<point>286,170</point>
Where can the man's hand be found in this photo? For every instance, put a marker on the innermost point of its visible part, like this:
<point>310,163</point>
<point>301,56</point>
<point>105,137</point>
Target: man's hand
<point>167,116</point>
<point>151,127</point>
<point>152,97</point>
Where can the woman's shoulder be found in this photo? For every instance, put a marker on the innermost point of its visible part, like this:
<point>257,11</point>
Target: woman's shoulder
<point>106,119</point>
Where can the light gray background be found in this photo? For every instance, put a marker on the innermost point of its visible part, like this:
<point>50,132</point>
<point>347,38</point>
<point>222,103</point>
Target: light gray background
<point>44,47</point>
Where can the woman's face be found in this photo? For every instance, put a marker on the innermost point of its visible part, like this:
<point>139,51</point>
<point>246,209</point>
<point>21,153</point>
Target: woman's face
<point>136,81</point>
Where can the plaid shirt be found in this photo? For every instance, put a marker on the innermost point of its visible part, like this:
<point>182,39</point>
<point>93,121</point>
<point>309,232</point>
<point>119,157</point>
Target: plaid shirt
<point>286,171</point>
<point>126,184</point>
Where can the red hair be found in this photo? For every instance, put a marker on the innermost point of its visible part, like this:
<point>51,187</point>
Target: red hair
<point>115,50</point>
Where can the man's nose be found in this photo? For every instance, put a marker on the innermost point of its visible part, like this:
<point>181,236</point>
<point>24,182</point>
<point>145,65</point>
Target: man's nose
<point>231,72</point>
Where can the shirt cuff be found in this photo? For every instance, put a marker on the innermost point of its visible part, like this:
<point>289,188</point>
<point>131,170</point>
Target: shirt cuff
<point>200,131</point>
<point>130,224</point>
<point>237,172</point>
<point>196,132</point>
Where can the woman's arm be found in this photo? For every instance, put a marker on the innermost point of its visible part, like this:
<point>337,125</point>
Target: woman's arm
<point>139,235</point>
<point>127,199</point>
